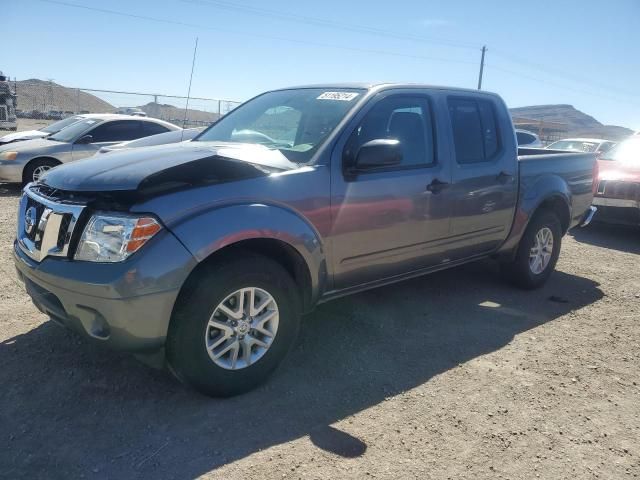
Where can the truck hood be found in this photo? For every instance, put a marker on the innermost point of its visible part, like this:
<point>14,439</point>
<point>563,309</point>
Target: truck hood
<point>25,135</point>
<point>160,168</point>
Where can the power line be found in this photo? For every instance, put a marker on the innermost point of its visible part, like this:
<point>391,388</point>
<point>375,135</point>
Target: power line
<point>556,72</point>
<point>557,85</point>
<point>225,4</point>
<point>258,35</point>
<point>324,22</point>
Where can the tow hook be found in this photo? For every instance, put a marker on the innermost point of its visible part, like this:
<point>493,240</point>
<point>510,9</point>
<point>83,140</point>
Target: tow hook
<point>586,220</point>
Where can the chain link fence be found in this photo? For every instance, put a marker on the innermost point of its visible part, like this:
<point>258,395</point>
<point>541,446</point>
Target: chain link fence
<point>46,101</point>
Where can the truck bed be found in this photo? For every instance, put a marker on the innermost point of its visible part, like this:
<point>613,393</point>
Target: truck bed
<point>540,168</point>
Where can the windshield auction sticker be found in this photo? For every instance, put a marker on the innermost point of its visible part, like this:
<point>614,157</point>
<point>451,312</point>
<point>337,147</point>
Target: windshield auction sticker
<point>340,96</point>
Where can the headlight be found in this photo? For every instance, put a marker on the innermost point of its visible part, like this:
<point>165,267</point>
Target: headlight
<point>8,155</point>
<point>112,238</point>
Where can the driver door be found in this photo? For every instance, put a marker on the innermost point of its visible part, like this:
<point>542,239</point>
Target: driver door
<point>106,134</point>
<point>392,220</point>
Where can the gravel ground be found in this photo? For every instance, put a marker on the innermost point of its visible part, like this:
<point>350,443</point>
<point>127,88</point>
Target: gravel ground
<point>455,375</point>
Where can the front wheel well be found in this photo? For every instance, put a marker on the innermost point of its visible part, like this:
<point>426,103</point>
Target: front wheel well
<point>32,162</point>
<point>277,250</point>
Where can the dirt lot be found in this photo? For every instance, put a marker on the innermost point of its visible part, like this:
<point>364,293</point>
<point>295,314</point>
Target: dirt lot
<point>456,375</point>
<point>29,124</point>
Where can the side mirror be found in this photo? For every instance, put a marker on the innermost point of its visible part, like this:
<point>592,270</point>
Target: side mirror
<point>84,140</point>
<point>378,153</point>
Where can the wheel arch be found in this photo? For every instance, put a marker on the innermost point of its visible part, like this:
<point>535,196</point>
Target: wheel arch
<point>26,167</point>
<point>557,204</point>
<point>270,231</point>
<point>549,193</point>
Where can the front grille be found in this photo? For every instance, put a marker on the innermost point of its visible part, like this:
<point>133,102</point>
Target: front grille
<point>45,226</point>
<point>620,190</point>
<point>64,233</point>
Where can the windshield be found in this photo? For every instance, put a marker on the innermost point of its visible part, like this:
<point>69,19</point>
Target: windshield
<point>57,126</point>
<point>574,145</point>
<point>295,122</point>
<point>73,131</point>
<point>627,151</point>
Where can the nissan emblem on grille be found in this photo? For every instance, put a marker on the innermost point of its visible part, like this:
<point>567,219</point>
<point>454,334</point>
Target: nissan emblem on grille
<point>29,220</point>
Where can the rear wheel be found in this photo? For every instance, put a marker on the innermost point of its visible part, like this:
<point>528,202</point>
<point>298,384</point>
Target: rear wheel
<point>235,326</point>
<point>34,170</point>
<point>538,252</point>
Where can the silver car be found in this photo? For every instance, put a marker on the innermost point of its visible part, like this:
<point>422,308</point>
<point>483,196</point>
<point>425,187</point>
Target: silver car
<point>25,161</point>
<point>50,129</point>
<point>528,139</point>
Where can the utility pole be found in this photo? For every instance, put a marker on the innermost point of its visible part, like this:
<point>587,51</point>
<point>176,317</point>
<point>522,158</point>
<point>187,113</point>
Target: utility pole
<point>484,50</point>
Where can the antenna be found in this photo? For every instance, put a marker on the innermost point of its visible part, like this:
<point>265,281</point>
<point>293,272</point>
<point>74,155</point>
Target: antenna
<point>186,108</point>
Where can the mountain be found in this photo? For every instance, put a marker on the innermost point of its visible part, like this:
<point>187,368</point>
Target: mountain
<point>174,114</point>
<point>43,96</point>
<point>577,123</point>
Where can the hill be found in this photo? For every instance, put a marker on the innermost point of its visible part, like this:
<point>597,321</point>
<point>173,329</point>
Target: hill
<point>43,96</point>
<point>578,124</point>
<point>174,114</point>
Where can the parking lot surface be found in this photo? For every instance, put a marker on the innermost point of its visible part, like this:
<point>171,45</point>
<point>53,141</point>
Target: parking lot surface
<point>453,375</point>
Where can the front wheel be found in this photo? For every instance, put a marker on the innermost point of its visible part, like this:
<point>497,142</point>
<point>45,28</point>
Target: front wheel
<point>537,253</point>
<point>34,170</point>
<point>234,327</point>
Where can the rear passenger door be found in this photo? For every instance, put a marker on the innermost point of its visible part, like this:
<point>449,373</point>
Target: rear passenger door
<point>484,175</point>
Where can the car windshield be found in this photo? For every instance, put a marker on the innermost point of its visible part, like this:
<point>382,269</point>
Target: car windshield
<point>55,127</point>
<point>73,131</point>
<point>627,151</point>
<point>295,122</point>
<point>574,145</point>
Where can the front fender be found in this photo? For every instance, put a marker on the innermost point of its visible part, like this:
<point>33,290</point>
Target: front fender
<point>212,230</point>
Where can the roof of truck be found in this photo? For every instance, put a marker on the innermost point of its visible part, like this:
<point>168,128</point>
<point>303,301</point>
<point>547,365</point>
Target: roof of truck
<point>583,139</point>
<point>383,85</point>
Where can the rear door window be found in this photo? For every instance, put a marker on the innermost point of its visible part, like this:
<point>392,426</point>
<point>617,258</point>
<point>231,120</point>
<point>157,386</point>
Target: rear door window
<point>475,130</point>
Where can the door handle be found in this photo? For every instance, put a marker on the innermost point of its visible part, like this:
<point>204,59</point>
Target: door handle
<point>504,176</point>
<point>436,186</point>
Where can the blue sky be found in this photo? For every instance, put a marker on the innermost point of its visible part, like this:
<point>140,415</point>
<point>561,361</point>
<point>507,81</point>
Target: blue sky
<point>584,53</point>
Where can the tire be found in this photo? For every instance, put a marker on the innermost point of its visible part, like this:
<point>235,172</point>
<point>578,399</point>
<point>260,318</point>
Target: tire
<point>34,169</point>
<point>188,355</point>
<point>520,271</point>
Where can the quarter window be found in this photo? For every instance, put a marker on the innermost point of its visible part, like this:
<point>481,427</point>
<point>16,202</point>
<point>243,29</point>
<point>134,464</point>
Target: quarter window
<point>152,128</point>
<point>475,132</point>
<point>524,138</point>
<point>406,119</point>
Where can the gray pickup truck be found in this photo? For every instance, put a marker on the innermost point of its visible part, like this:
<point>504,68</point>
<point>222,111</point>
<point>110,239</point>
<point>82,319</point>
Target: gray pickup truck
<point>202,256</point>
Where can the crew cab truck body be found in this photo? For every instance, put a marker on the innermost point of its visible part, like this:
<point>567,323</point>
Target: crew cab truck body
<point>205,254</point>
